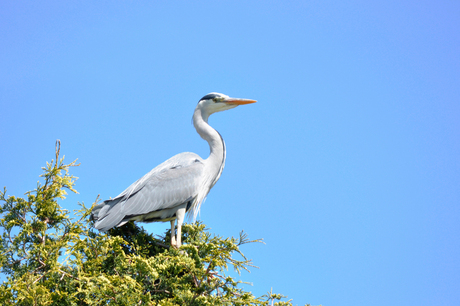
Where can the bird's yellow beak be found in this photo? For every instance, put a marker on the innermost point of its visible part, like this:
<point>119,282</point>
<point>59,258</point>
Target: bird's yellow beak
<point>238,101</point>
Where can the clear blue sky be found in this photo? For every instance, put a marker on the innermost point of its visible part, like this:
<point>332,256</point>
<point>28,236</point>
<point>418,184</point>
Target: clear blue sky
<point>348,166</point>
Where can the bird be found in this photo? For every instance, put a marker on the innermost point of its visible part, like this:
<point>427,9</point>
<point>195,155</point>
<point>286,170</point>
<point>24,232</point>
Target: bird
<point>177,186</point>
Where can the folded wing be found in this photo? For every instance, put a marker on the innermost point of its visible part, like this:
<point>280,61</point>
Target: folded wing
<point>169,185</point>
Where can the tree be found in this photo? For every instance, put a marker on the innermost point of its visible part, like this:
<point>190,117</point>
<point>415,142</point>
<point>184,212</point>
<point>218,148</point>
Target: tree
<point>49,258</point>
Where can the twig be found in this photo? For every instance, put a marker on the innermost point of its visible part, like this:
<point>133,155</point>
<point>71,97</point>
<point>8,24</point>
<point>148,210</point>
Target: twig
<point>195,281</point>
<point>161,290</point>
<point>162,244</point>
<point>58,150</point>
<point>70,275</point>
<point>39,278</point>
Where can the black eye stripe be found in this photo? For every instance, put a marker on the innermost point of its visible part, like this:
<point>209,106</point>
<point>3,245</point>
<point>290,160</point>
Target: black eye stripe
<point>210,96</point>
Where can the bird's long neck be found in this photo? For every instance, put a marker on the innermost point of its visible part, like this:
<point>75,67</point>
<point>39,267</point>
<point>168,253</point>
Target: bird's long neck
<point>216,160</point>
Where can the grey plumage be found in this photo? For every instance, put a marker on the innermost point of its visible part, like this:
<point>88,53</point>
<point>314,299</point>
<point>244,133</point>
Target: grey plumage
<point>176,186</point>
<point>169,185</point>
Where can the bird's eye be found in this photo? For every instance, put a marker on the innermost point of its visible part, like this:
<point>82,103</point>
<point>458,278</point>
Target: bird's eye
<point>215,99</point>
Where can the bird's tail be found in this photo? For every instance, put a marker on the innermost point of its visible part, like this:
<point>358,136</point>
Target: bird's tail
<point>107,214</point>
<point>95,212</point>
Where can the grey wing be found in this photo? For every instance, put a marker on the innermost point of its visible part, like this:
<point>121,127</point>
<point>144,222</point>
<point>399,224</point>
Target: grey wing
<point>170,184</point>
<point>182,160</point>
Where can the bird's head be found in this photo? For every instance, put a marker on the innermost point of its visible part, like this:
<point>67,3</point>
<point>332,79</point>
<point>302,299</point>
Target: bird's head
<point>216,102</point>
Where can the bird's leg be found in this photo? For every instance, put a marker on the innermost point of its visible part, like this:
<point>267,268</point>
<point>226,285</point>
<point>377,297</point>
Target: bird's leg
<point>173,233</point>
<point>180,219</point>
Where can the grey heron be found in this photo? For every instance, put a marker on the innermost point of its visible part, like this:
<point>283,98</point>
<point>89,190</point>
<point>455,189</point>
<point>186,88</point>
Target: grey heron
<point>178,185</point>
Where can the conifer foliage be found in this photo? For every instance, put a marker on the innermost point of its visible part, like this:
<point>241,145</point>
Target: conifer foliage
<point>49,258</point>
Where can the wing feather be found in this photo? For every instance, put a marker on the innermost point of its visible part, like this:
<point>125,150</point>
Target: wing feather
<point>173,187</point>
<point>172,183</point>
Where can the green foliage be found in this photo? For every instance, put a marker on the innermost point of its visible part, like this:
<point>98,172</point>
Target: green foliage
<point>48,258</point>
